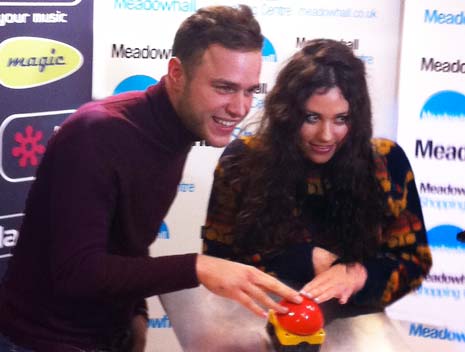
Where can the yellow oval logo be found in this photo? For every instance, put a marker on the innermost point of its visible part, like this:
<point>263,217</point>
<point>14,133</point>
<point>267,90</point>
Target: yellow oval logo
<point>27,62</point>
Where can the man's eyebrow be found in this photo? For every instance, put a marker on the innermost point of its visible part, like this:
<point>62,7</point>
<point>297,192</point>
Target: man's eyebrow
<point>225,82</point>
<point>234,84</point>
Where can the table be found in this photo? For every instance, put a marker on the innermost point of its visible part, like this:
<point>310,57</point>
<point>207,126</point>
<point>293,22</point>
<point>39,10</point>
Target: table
<point>204,322</point>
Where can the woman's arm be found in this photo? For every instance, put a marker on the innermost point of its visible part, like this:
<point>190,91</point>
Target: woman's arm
<point>403,257</point>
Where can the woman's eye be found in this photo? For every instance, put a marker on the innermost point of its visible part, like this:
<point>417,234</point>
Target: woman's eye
<point>343,119</point>
<point>311,118</point>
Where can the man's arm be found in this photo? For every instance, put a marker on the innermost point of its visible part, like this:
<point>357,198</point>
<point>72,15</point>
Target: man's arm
<point>244,284</point>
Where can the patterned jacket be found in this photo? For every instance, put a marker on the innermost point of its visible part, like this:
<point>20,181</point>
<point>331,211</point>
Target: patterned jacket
<point>402,259</point>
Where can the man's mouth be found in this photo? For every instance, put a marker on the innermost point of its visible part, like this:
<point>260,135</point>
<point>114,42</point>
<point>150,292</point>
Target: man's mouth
<point>225,123</point>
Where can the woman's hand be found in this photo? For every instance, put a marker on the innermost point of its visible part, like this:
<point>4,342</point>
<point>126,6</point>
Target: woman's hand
<point>339,281</point>
<point>322,260</point>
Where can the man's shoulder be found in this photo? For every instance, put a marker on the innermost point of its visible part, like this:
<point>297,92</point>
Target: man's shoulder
<point>103,111</point>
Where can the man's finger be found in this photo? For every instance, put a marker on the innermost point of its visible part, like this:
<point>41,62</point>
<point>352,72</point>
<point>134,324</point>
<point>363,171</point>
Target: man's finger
<point>244,299</point>
<point>273,285</point>
<point>264,300</point>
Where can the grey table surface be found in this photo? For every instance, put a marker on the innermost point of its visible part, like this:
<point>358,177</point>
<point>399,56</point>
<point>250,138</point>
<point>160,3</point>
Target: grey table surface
<point>204,322</point>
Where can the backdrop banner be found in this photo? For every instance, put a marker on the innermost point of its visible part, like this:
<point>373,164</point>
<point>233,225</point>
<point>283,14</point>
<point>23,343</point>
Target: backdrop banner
<point>45,73</point>
<point>132,46</point>
<point>57,55</point>
<point>431,128</point>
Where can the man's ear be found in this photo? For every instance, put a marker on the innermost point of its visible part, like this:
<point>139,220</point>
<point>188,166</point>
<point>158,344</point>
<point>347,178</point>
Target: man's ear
<point>176,73</point>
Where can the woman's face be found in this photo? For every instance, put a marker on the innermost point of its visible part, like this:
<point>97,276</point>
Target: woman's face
<point>325,126</point>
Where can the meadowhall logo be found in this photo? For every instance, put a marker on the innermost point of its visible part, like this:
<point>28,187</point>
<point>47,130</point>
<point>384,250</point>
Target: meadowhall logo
<point>156,5</point>
<point>445,236</point>
<point>354,44</point>
<point>268,51</point>
<point>146,52</point>
<point>432,150</point>
<point>445,104</point>
<point>159,323</point>
<point>134,83</point>
<point>186,187</point>
<point>444,278</point>
<point>449,190</point>
<point>433,65</point>
<point>163,232</point>
<point>31,61</point>
<point>424,331</point>
<point>437,17</point>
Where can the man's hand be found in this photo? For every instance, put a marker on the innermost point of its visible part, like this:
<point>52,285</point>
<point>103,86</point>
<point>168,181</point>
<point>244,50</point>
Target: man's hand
<point>340,281</point>
<point>244,284</point>
<point>139,333</point>
<point>322,260</point>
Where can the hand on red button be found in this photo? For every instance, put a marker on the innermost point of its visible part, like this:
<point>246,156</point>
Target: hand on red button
<point>305,318</point>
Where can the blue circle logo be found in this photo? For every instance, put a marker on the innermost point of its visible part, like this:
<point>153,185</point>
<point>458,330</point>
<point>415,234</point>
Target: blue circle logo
<point>134,83</point>
<point>163,232</point>
<point>444,104</point>
<point>268,51</point>
<point>445,236</point>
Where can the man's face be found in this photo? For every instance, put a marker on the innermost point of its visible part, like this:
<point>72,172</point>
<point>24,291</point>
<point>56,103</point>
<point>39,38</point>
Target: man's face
<point>218,93</point>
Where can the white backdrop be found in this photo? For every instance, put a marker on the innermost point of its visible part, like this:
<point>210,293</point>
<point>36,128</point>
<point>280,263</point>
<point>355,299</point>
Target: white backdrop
<point>122,28</point>
<point>431,130</point>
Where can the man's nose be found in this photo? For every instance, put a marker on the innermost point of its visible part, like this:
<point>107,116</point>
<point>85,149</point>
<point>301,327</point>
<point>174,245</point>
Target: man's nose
<point>239,105</point>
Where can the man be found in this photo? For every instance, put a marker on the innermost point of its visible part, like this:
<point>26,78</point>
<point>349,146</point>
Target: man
<point>81,270</point>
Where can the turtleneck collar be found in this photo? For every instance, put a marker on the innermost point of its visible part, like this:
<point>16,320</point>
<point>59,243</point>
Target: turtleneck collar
<point>170,128</point>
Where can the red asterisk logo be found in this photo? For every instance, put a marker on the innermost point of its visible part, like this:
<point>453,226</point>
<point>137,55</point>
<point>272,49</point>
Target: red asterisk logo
<point>29,147</point>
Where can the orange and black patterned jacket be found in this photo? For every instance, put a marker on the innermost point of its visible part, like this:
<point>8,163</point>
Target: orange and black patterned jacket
<point>403,258</point>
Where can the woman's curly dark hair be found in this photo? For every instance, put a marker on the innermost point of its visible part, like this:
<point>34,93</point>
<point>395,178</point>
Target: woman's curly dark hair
<point>273,187</point>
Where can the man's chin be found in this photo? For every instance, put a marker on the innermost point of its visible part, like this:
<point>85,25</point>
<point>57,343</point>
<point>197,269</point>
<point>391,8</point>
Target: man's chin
<point>217,144</point>
<point>218,141</point>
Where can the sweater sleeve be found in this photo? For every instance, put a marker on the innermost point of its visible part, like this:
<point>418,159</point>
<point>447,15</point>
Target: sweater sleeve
<point>83,197</point>
<point>403,258</point>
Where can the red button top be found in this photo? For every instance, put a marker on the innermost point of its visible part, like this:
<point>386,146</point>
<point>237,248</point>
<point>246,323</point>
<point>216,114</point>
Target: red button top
<point>301,319</point>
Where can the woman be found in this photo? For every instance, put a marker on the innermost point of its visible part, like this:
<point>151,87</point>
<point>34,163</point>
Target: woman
<point>312,198</point>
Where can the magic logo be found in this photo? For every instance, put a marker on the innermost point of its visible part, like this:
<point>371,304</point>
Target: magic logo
<point>30,62</point>
<point>445,104</point>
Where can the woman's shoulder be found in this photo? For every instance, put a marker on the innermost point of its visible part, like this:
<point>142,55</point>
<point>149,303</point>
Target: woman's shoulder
<point>390,158</point>
<point>240,145</point>
<point>388,149</point>
<point>384,146</point>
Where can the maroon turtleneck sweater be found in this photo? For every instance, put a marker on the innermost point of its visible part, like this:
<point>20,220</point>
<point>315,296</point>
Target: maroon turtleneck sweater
<point>81,268</point>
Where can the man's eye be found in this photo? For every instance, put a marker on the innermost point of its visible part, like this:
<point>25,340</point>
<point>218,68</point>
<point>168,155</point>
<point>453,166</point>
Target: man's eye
<point>252,91</point>
<point>224,89</point>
